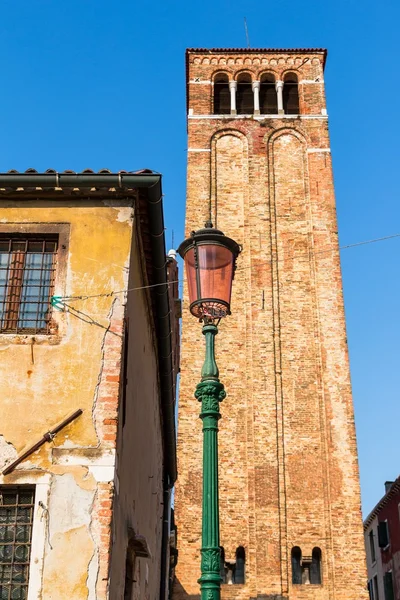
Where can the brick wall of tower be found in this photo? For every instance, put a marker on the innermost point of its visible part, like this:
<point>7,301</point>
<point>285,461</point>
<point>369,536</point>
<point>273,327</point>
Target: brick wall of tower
<point>288,457</point>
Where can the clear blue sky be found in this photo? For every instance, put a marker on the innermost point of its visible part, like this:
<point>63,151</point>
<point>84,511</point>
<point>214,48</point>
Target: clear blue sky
<point>94,84</point>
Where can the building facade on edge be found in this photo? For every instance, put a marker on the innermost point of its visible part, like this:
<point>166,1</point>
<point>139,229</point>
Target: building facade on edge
<point>259,166</point>
<point>382,545</point>
<point>87,439</point>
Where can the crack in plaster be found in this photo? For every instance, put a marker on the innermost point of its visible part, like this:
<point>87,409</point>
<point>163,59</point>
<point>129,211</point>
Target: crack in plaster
<point>94,563</point>
<point>100,376</point>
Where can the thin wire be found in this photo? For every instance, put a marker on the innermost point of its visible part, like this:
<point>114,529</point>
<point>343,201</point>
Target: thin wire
<point>125,291</point>
<point>84,317</point>
<point>60,299</point>
<point>305,259</point>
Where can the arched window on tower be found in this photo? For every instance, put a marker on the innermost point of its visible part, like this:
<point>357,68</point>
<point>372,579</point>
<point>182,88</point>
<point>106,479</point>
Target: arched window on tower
<point>245,97</point>
<point>315,567</point>
<point>240,574</point>
<point>222,569</point>
<point>296,566</point>
<point>291,94</point>
<point>222,99</point>
<point>268,96</point>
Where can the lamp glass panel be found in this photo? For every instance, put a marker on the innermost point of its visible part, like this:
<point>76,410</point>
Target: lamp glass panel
<point>191,275</point>
<point>216,270</point>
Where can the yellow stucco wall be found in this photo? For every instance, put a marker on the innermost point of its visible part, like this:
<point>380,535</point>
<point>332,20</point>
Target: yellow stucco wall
<point>42,385</point>
<point>45,379</point>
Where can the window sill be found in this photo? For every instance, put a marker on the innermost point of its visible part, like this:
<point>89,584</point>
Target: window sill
<point>27,339</point>
<point>307,586</point>
<point>256,117</point>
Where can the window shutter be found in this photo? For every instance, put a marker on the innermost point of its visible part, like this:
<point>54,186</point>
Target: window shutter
<point>388,586</point>
<point>383,534</point>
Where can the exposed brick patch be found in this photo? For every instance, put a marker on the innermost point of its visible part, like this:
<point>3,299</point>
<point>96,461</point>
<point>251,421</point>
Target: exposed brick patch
<point>106,406</point>
<point>101,530</point>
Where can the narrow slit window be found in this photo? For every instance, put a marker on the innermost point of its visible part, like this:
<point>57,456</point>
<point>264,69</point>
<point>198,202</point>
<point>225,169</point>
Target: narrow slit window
<point>296,566</point>
<point>372,545</point>
<point>245,96</point>
<point>16,519</point>
<point>268,95</point>
<point>27,272</point>
<point>375,588</point>
<point>222,570</point>
<point>315,567</point>
<point>222,98</point>
<point>291,95</point>
<point>240,575</point>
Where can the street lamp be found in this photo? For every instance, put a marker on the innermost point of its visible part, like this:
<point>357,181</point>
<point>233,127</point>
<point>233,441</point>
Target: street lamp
<point>210,261</point>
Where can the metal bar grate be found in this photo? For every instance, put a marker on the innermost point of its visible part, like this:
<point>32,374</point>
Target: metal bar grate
<point>27,272</point>
<point>16,517</point>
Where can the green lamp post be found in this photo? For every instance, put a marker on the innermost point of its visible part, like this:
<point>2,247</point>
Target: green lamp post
<point>210,261</point>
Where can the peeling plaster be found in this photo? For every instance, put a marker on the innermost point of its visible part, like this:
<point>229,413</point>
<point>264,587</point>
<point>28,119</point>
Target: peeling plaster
<point>66,565</point>
<point>70,543</point>
<point>102,474</point>
<point>81,476</point>
<point>69,505</point>
<point>85,457</point>
<point>125,213</point>
<point>7,452</point>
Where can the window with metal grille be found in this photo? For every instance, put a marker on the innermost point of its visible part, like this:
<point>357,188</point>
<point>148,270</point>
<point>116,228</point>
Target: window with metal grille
<point>27,270</point>
<point>16,516</point>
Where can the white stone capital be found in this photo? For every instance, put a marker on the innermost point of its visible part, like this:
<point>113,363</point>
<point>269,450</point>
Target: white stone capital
<point>233,85</point>
<point>255,85</point>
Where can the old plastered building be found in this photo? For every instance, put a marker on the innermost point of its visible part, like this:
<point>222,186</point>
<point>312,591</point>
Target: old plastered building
<point>87,438</point>
<point>382,545</point>
<point>259,165</point>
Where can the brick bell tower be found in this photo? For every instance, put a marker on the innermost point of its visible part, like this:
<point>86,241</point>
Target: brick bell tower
<point>259,165</point>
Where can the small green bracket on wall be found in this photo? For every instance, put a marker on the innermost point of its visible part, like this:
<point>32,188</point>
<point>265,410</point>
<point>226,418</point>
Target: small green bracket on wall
<point>57,303</point>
